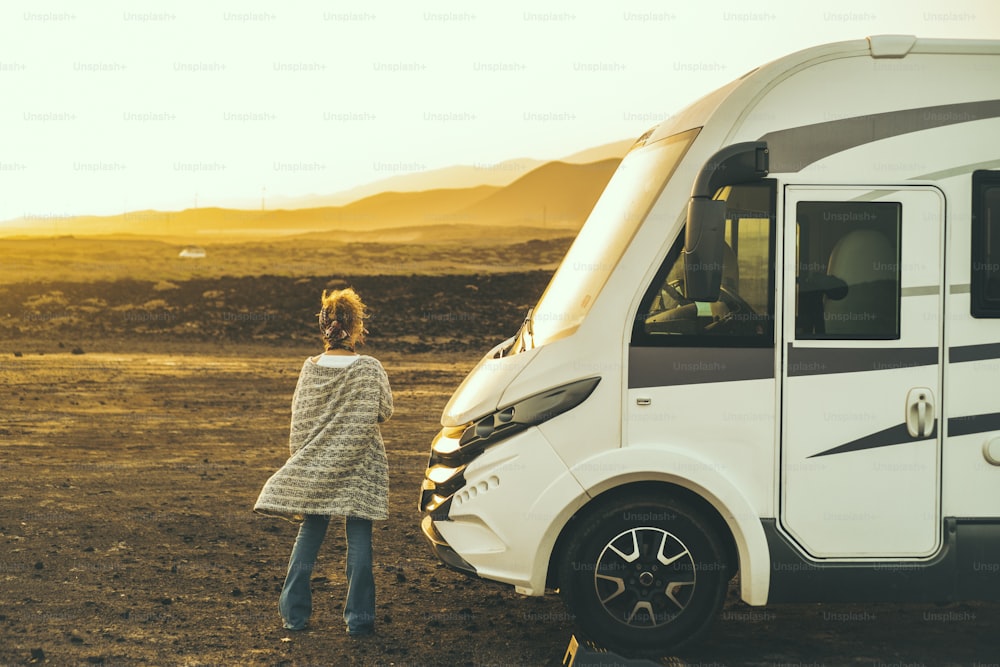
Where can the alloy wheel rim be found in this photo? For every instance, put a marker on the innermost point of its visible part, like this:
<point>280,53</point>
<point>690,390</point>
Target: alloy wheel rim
<point>645,577</point>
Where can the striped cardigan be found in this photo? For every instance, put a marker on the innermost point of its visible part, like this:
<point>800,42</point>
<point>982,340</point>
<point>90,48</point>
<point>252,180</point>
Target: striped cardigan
<point>337,464</point>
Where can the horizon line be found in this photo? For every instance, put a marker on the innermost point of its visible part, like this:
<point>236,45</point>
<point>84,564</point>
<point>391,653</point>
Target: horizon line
<point>54,217</point>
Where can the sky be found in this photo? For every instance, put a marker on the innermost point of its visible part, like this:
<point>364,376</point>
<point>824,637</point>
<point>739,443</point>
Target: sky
<point>116,106</point>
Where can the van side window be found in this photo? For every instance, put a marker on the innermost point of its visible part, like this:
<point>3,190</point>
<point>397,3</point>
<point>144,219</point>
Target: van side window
<point>744,313</point>
<point>986,244</point>
<point>848,270</point>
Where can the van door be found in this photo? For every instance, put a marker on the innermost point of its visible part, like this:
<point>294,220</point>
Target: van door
<point>861,387</point>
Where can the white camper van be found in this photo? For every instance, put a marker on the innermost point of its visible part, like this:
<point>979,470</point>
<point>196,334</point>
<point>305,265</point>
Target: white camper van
<point>773,349</point>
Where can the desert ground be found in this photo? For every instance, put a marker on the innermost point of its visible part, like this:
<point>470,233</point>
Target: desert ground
<point>141,417</point>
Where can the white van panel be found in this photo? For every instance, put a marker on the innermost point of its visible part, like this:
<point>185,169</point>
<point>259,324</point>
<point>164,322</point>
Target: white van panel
<point>505,520</point>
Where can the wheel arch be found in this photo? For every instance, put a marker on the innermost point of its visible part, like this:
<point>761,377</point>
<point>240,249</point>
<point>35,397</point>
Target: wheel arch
<point>739,527</point>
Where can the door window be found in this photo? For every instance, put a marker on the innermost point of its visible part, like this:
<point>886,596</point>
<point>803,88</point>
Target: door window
<point>744,313</point>
<point>986,244</point>
<point>848,270</point>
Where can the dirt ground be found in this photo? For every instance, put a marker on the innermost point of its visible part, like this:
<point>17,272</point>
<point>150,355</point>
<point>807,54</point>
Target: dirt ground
<point>126,534</point>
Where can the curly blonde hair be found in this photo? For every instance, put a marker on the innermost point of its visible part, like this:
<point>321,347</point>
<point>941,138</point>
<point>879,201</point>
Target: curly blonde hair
<point>342,319</point>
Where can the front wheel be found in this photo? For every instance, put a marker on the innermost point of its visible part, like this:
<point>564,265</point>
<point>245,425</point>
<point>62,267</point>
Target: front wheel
<point>644,576</point>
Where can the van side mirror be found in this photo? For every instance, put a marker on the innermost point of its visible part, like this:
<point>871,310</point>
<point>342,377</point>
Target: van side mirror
<point>703,243</point>
<point>704,237</point>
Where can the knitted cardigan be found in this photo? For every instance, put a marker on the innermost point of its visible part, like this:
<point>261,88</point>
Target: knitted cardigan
<point>337,463</point>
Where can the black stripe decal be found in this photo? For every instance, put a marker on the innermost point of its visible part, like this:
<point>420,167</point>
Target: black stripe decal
<point>795,148</point>
<point>670,366</point>
<point>895,435</point>
<point>974,352</point>
<point>973,424</point>
<point>822,361</point>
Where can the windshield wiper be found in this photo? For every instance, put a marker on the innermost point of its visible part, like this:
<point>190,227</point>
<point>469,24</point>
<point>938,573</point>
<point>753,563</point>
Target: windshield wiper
<point>527,330</point>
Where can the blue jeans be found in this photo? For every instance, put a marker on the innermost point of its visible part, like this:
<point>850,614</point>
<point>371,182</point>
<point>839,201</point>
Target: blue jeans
<point>295,602</point>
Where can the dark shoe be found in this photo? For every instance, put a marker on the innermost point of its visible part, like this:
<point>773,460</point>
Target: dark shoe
<point>361,632</point>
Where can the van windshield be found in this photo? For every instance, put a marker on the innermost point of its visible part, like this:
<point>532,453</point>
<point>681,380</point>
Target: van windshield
<point>609,229</point>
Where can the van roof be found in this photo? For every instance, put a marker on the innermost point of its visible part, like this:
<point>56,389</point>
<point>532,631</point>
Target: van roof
<point>899,46</point>
<point>875,46</point>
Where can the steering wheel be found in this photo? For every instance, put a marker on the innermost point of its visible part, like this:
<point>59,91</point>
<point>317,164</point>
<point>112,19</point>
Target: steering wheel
<point>737,317</point>
<point>735,306</point>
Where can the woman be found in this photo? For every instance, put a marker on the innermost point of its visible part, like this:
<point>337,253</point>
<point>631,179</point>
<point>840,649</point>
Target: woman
<point>337,465</point>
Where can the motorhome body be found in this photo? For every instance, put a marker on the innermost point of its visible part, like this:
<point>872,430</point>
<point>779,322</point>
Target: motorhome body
<point>772,348</point>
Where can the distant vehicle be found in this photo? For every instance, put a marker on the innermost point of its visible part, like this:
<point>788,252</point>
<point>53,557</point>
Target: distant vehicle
<point>773,349</point>
<point>192,252</point>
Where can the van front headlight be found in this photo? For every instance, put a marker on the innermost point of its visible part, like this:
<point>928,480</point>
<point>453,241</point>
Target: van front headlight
<point>510,419</point>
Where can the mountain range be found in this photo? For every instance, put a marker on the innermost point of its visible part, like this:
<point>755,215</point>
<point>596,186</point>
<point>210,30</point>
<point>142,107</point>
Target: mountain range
<point>553,196</point>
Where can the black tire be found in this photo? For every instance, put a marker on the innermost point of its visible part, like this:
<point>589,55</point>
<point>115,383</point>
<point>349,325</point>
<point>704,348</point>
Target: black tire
<point>644,576</point>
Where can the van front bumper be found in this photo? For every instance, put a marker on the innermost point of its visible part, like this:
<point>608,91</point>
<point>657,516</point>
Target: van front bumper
<point>497,515</point>
<point>442,550</point>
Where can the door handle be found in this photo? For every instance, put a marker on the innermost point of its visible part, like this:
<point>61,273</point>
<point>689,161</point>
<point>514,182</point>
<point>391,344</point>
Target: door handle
<point>920,412</point>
